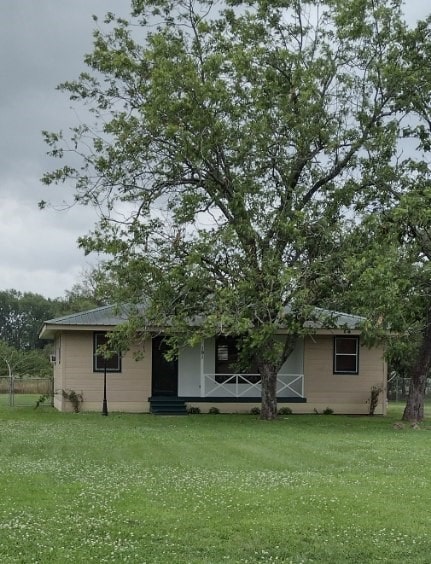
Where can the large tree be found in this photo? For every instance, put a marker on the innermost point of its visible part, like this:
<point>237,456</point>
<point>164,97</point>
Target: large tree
<point>394,275</point>
<point>229,143</point>
<point>383,272</point>
<point>413,205</point>
<point>403,236</point>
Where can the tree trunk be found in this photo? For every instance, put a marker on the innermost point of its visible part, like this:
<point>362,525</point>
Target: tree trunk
<point>268,374</point>
<point>414,410</point>
<point>268,370</point>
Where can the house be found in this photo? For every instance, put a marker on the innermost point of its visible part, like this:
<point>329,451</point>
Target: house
<point>329,368</point>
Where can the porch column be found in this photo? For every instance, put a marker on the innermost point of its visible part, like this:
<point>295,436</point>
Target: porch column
<point>202,369</point>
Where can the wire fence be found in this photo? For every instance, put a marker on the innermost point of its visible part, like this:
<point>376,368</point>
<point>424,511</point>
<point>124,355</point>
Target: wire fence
<point>398,388</point>
<point>26,391</point>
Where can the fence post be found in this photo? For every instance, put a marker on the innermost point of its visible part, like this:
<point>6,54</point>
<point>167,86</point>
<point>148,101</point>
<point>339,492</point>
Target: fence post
<point>12,391</point>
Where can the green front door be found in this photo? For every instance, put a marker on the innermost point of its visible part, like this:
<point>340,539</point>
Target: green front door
<point>165,372</point>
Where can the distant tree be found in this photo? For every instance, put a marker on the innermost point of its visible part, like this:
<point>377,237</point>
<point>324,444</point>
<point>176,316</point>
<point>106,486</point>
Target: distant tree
<point>21,317</point>
<point>83,295</point>
<point>9,359</point>
<point>22,314</point>
<point>35,362</point>
<point>227,151</point>
<point>15,362</point>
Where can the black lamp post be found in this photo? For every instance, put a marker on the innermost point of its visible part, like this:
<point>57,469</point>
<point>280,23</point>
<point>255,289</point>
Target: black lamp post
<point>105,401</point>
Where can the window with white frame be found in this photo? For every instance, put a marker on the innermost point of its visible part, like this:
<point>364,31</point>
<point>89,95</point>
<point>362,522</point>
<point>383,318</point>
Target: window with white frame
<point>113,363</point>
<point>346,354</point>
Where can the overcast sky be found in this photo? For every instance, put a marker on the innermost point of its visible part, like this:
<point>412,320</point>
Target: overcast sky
<point>42,43</point>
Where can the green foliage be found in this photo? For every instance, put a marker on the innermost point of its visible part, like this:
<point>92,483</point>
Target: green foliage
<point>84,295</point>
<point>328,411</point>
<point>35,363</point>
<point>285,411</point>
<point>214,410</point>
<point>240,142</point>
<point>41,400</point>
<point>21,316</point>
<point>24,362</point>
<point>255,411</point>
<point>9,359</point>
<point>383,273</point>
<point>193,410</point>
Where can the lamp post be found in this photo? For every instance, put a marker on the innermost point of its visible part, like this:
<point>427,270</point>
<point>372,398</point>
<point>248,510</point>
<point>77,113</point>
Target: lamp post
<point>105,401</point>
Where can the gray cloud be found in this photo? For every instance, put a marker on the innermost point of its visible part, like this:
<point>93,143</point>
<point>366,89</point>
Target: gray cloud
<point>41,44</point>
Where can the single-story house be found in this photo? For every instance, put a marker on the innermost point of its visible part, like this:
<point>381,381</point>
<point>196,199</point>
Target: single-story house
<point>330,368</point>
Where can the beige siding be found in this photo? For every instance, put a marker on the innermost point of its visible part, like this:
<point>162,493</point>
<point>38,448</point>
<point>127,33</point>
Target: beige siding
<point>58,374</point>
<point>127,390</point>
<point>342,393</point>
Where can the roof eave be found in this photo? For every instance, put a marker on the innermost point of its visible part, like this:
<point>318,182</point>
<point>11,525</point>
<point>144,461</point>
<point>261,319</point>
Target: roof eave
<point>50,330</point>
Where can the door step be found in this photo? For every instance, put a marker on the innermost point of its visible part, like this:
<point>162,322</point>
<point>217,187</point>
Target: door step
<point>160,405</point>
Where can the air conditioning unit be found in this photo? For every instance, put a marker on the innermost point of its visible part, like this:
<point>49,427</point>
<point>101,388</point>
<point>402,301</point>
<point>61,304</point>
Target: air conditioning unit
<point>52,358</point>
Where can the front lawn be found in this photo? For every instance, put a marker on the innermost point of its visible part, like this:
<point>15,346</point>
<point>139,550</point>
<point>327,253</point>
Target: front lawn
<point>212,488</point>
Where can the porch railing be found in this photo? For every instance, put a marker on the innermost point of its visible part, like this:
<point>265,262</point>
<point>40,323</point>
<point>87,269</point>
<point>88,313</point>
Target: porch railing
<point>248,385</point>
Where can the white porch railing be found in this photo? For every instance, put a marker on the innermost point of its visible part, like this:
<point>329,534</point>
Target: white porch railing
<point>249,385</point>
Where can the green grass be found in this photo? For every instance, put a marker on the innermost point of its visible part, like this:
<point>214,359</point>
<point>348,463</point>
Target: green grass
<point>21,400</point>
<point>199,489</point>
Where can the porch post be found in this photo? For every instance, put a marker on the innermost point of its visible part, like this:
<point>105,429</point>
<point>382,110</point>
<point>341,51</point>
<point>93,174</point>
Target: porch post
<point>202,369</point>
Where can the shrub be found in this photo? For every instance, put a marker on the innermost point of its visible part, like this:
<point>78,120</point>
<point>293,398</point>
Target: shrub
<point>328,411</point>
<point>285,411</point>
<point>255,410</point>
<point>193,410</point>
<point>42,399</point>
<point>214,410</point>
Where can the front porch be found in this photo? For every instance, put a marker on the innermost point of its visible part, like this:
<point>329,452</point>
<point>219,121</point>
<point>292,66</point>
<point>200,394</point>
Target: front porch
<point>230,389</point>
<point>200,376</point>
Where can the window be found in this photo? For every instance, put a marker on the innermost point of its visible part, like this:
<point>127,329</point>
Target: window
<point>226,360</point>
<point>346,355</point>
<point>113,363</point>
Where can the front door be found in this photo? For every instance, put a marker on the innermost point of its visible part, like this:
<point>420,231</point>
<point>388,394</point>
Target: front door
<point>165,372</point>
